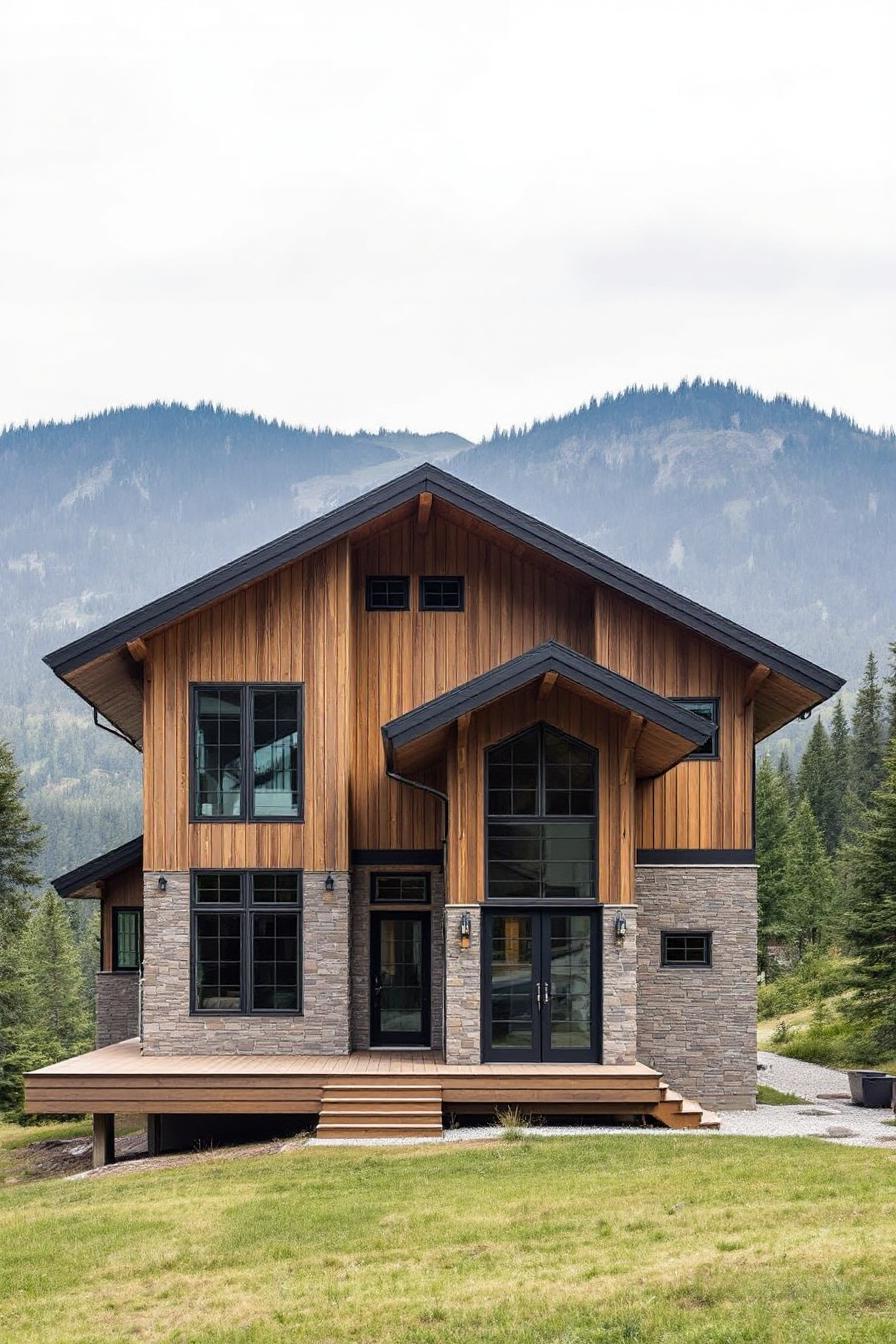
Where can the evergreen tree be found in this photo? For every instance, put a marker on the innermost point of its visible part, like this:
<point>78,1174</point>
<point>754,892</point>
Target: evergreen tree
<point>772,819</point>
<point>840,751</point>
<point>809,911</point>
<point>788,783</point>
<point>816,782</point>
<point>866,756</point>
<point>891,695</point>
<point>20,842</point>
<point>872,912</point>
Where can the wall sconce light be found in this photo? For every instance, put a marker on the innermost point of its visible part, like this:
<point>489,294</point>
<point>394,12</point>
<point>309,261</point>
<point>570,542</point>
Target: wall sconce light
<point>465,928</point>
<point>329,883</point>
<point>162,882</point>
<point>619,926</point>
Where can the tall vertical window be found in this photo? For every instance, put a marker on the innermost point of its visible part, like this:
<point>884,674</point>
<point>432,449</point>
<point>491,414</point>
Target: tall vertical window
<point>261,725</point>
<point>706,708</point>
<point>247,942</point>
<point>127,938</point>
<point>541,791</point>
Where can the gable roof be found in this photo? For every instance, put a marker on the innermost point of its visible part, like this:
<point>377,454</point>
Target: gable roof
<point>114,861</point>
<point>676,731</point>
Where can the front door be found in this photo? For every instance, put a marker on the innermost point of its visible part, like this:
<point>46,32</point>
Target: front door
<point>399,978</point>
<point>541,981</point>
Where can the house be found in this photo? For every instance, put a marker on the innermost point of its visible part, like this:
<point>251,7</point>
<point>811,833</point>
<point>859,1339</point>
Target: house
<point>442,809</point>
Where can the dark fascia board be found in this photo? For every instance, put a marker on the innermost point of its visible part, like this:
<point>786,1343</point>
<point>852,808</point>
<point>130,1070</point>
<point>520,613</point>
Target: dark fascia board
<point>427,478</point>
<point>527,667</point>
<point>103,866</point>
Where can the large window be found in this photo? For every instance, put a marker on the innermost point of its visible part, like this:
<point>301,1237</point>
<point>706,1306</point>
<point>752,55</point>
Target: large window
<point>127,938</point>
<point>706,708</point>
<point>247,942</point>
<point>542,815</point>
<point>233,725</point>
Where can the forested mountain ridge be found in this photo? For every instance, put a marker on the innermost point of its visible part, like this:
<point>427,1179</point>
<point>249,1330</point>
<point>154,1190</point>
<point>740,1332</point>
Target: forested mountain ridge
<point>770,511</point>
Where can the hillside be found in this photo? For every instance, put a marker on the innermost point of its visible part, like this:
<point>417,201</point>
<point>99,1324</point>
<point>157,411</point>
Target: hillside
<point>770,511</point>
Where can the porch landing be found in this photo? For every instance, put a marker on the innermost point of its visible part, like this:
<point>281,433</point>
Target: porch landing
<point>371,1093</point>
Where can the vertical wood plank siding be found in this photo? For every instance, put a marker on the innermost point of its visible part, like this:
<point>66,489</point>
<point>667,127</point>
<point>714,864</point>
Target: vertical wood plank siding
<point>125,889</point>
<point>698,804</point>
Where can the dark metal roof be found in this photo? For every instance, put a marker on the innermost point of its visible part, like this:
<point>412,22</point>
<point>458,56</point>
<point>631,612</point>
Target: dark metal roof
<point>520,671</point>
<point>427,478</point>
<point>113,861</point>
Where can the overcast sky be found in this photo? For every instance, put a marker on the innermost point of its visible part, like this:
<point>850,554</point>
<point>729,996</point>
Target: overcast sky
<point>443,216</point>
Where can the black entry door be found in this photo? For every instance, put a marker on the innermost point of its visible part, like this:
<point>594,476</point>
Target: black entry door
<point>399,978</point>
<point>541,982</point>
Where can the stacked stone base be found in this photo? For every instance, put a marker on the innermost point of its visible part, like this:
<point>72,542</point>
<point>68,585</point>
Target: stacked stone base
<point>117,1007</point>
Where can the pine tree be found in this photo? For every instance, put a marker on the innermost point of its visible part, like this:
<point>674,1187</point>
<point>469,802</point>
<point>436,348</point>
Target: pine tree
<point>815,782</point>
<point>840,750</point>
<point>872,915</point>
<point>788,782</point>
<point>891,695</point>
<point>809,910</point>
<point>772,819</point>
<point>20,842</point>
<point>866,757</point>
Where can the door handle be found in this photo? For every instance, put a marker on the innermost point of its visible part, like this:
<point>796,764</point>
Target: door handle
<point>538,993</point>
<point>377,987</point>
<point>547,992</point>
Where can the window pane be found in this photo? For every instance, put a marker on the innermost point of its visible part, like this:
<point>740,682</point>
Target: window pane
<point>388,592</point>
<point>441,593</point>
<point>276,888</point>
<point>400,887</point>
<point>704,709</point>
<point>275,753</point>
<point>275,961</point>
<point>686,949</point>
<point>217,888</point>
<point>127,939</point>
<point>216,751</point>
<point>218,963</point>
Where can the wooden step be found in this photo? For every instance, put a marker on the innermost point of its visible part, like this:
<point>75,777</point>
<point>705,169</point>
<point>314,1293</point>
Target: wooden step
<point>379,1131</point>
<point>378,1109</point>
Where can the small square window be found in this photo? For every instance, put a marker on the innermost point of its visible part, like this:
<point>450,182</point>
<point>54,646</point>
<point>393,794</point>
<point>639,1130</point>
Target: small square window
<point>685,948</point>
<point>704,708</point>
<point>439,592</point>
<point>388,592</point>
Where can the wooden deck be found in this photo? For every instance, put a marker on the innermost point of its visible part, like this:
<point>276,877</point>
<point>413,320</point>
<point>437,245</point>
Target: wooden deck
<point>119,1078</point>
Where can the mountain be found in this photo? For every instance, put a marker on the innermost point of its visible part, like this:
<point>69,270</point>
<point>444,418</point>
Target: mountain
<point>768,510</point>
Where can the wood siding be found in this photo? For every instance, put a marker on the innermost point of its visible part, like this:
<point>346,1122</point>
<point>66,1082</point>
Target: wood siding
<point>124,889</point>
<point>466,787</point>
<point>293,626</point>
<point>698,804</point>
<point>404,658</point>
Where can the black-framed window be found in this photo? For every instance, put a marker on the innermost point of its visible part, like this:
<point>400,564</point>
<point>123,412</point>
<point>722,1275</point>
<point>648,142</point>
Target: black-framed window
<point>388,592</point>
<point>261,724</point>
<point>707,707</point>
<point>441,592</point>
<point>127,938</point>
<point>685,947</point>
<point>246,942</point>
<point>541,791</point>
<point>400,888</point>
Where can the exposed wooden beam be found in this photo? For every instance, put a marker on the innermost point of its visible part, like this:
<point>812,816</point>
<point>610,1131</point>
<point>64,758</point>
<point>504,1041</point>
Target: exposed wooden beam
<point>633,730</point>
<point>754,681</point>
<point>424,509</point>
<point>463,727</point>
<point>548,682</point>
<point>137,649</point>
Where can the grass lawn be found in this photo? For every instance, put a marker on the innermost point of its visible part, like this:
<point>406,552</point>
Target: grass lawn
<point>770,1096</point>
<point>629,1240</point>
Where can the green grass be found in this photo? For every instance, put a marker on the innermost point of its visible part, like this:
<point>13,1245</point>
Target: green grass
<point>770,1096</point>
<point>629,1240</point>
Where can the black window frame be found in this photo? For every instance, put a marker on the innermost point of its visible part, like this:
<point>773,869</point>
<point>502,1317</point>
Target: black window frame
<point>544,818</point>
<point>376,899</point>
<point>404,579</point>
<point>712,737</point>
<point>442,578</point>
<point>248,690</point>
<point>247,908</point>
<point>117,910</point>
<point>685,965</point>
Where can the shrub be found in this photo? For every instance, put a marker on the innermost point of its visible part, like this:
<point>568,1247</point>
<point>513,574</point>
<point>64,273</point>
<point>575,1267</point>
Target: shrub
<point>816,977</point>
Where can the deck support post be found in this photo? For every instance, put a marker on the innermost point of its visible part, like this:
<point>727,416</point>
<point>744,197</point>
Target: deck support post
<point>154,1135</point>
<point>103,1140</point>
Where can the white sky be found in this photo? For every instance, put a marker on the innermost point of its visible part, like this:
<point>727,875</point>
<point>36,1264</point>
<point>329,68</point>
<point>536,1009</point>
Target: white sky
<point>448,216</point>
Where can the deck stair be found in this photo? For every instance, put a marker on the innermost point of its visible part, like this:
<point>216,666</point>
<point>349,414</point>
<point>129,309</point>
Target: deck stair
<point>383,1106</point>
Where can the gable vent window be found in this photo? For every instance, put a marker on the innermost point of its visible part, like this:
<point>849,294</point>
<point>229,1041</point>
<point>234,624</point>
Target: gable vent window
<point>686,949</point>
<point>705,708</point>
<point>439,592</point>
<point>388,592</point>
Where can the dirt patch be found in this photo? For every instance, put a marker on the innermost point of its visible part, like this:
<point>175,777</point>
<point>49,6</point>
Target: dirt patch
<point>139,1162</point>
<point>48,1159</point>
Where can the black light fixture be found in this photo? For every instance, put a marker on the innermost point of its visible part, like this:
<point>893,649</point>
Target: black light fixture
<point>162,882</point>
<point>329,883</point>
<point>465,928</point>
<point>619,926</point>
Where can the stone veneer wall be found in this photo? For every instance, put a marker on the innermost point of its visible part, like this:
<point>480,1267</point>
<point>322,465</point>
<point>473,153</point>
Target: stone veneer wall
<point>170,1029</point>
<point>463,992</point>
<point>698,1026</point>
<point>619,999</point>
<point>117,1007</point>
<point>361,907</point>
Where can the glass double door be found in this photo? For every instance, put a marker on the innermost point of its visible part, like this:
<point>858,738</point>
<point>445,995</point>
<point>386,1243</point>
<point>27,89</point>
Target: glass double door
<point>541,983</point>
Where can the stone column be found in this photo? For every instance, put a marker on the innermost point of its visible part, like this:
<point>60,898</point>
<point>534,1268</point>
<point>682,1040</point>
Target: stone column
<point>463,987</point>
<point>620,986</point>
